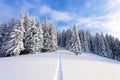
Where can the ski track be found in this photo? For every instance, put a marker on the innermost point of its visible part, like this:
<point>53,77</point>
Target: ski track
<point>59,73</point>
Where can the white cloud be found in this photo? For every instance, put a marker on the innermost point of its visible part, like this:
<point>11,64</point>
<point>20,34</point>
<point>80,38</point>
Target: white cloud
<point>113,24</point>
<point>109,22</point>
<point>113,4</point>
<point>56,15</point>
<point>44,9</point>
<point>90,22</point>
<point>61,28</point>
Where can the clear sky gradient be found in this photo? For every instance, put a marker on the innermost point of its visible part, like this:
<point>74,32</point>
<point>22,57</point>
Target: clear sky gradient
<point>92,15</point>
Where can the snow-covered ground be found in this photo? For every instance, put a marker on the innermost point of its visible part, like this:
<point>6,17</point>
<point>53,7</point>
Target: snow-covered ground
<point>49,66</point>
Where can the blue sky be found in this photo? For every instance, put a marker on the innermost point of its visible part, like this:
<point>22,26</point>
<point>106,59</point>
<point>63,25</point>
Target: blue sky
<point>92,15</point>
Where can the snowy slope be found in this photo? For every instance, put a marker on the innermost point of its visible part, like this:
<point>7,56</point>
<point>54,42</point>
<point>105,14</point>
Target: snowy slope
<point>49,66</point>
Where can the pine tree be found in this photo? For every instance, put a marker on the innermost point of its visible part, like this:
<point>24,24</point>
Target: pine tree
<point>102,45</point>
<point>53,34</point>
<point>39,45</point>
<point>92,43</point>
<point>46,36</point>
<point>2,26</point>
<point>88,37</point>
<point>116,48</point>
<point>36,38</point>
<point>75,42</point>
<point>80,32</point>
<point>85,42</point>
<point>96,43</point>
<point>63,39</point>
<point>1,37</point>
<point>28,34</point>
<point>4,31</point>
<point>68,37</point>
<point>107,44</point>
<point>59,36</point>
<point>14,43</point>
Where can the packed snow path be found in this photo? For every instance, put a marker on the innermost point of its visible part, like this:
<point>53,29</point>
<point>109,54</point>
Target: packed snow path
<point>59,73</point>
<point>39,66</point>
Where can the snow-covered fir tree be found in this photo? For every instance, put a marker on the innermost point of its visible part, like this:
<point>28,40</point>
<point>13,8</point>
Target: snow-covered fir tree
<point>39,41</point>
<point>116,48</point>
<point>75,41</point>
<point>103,51</point>
<point>46,36</point>
<point>29,30</point>
<point>88,37</point>
<point>26,35</point>
<point>81,32</point>
<point>92,43</point>
<point>85,40</point>
<point>53,34</point>
<point>107,46</point>
<point>31,39</point>
<point>13,45</point>
<point>63,39</point>
<point>96,44</point>
<point>59,36</point>
<point>68,37</point>
<point>2,26</point>
<point>4,31</point>
<point>27,26</point>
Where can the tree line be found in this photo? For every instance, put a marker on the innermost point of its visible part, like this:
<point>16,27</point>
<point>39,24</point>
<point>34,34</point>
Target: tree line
<point>27,35</point>
<point>100,44</point>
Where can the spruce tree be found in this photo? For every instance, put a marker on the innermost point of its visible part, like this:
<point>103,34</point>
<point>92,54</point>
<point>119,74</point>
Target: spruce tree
<point>13,45</point>
<point>53,34</point>
<point>63,39</point>
<point>46,36</point>
<point>68,37</point>
<point>35,39</point>
<point>102,45</point>
<point>75,41</point>
<point>28,34</point>
<point>107,44</point>
<point>39,43</point>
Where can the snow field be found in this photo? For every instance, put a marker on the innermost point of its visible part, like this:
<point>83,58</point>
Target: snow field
<point>48,66</point>
<point>25,68</point>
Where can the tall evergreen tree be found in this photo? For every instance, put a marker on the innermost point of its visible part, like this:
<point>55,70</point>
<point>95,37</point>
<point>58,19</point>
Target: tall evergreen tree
<point>28,34</point>
<point>107,44</point>
<point>53,34</point>
<point>68,37</point>
<point>63,39</point>
<point>75,41</point>
<point>39,42</point>
<point>46,36</point>
<point>88,37</point>
<point>85,42</point>
<point>14,44</point>
<point>102,45</point>
<point>59,36</point>
<point>80,32</point>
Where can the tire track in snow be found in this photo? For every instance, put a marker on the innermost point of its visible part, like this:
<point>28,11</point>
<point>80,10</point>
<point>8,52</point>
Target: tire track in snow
<point>59,73</point>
